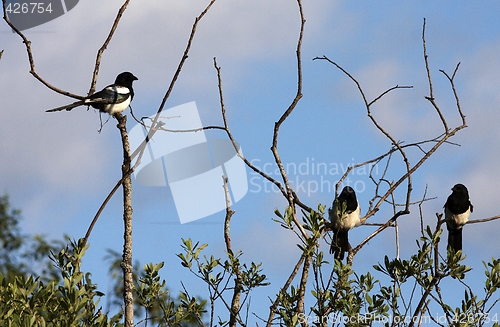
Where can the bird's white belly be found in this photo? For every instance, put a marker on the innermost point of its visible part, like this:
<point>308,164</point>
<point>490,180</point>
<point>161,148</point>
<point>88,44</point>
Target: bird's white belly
<point>117,107</point>
<point>460,219</point>
<point>348,221</point>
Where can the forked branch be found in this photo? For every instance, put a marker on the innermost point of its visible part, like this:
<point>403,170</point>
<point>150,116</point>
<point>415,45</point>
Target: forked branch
<point>31,58</point>
<point>398,146</point>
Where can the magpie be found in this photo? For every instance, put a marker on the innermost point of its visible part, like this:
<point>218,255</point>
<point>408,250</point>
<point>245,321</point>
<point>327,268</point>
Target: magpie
<point>112,99</point>
<point>457,210</point>
<point>344,215</point>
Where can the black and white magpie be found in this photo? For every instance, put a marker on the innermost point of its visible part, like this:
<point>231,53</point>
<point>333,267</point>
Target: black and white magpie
<point>457,210</point>
<point>112,99</point>
<point>344,215</point>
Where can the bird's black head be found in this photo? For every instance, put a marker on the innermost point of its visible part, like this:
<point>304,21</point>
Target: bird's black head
<point>461,190</point>
<point>348,193</point>
<point>125,79</point>
<point>349,197</point>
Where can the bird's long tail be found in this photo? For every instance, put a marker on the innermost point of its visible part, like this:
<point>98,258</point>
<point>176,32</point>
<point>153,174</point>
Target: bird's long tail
<point>67,107</point>
<point>340,244</point>
<point>455,239</point>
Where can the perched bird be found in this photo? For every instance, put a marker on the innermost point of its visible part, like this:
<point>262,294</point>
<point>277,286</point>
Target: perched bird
<point>344,215</point>
<point>112,99</point>
<point>457,210</point>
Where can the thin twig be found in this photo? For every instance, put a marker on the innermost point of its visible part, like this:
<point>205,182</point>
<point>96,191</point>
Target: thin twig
<point>283,290</point>
<point>284,116</point>
<point>429,79</point>
<point>105,45</point>
<point>457,100</point>
<point>231,138</point>
<point>140,149</point>
<point>383,131</point>
<point>31,58</point>
<point>475,221</point>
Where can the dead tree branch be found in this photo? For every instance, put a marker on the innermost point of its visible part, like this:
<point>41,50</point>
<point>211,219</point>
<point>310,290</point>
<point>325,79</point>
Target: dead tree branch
<point>155,126</point>
<point>277,125</point>
<point>398,147</point>
<point>140,149</point>
<point>31,58</point>
<point>128,286</point>
<point>105,45</point>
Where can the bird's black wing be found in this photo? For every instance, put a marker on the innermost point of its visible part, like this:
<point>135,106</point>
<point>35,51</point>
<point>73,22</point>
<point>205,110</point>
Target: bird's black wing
<point>109,95</point>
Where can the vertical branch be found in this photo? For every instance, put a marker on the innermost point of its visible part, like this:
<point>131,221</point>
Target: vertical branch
<point>238,287</point>
<point>229,214</point>
<point>277,125</point>
<point>431,98</point>
<point>128,285</point>
<point>396,231</point>
<point>236,146</point>
<point>155,124</point>
<point>302,287</point>
<point>105,45</point>
<point>283,290</point>
<point>426,61</point>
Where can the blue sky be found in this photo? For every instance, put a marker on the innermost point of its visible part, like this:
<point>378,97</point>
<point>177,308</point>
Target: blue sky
<point>57,168</point>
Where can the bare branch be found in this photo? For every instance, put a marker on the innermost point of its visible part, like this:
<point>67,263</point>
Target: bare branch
<point>457,100</point>
<point>443,138</point>
<point>103,205</point>
<point>389,90</point>
<point>277,125</point>
<point>431,88</point>
<point>475,221</point>
<point>379,230</point>
<point>230,135</point>
<point>383,131</point>
<point>421,213</point>
<point>274,306</point>
<point>229,214</point>
<point>302,288</point>
<point>105,45</point>
<point>235,302</point>
<point>140,149</point>
<point>128,280</point>
<point>31,59</point>
<point>154,126</point>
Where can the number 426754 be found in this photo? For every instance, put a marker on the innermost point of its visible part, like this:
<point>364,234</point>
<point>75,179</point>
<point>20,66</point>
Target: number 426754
<point>28,7</point>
